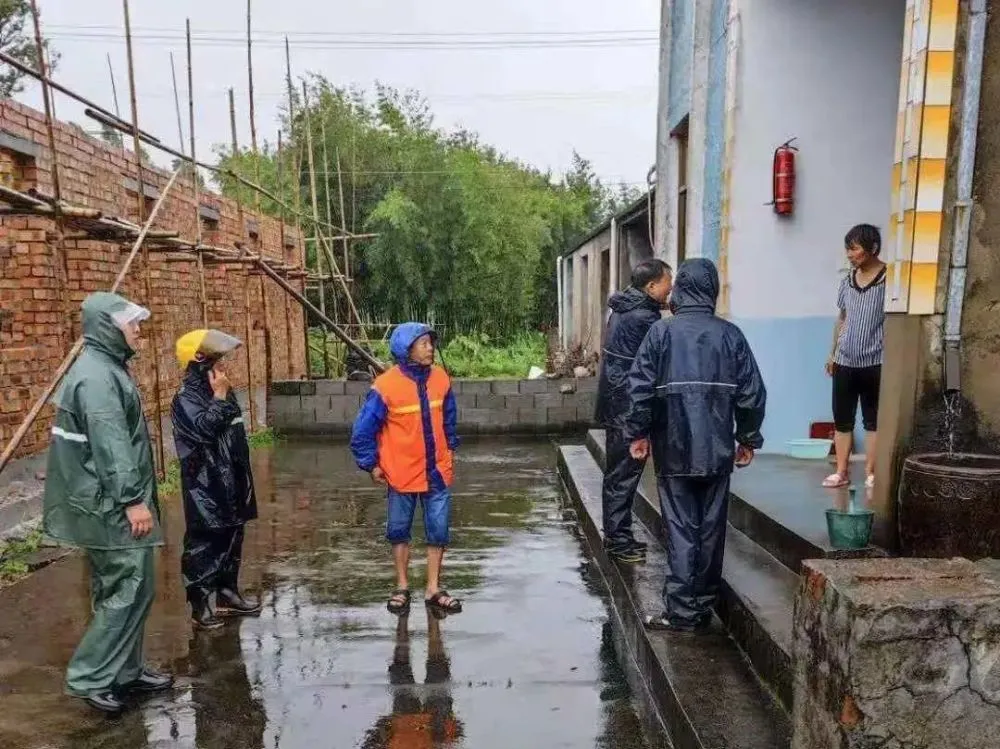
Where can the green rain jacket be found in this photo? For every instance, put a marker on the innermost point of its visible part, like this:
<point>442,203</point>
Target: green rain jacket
<point>100,458</point>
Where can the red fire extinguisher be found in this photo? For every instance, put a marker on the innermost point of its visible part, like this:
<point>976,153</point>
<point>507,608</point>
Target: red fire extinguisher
<point>784,179</point>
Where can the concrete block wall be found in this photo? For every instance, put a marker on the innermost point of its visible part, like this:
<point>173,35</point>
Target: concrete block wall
<point>484,406</point>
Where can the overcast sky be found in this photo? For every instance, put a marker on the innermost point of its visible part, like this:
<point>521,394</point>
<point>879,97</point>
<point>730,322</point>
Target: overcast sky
<point>536,78</point>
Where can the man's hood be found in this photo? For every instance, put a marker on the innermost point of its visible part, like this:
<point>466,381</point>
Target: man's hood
<point>696,286</point>
<point>99,328</point>
<point>630,299</point>
<point>404,336</point>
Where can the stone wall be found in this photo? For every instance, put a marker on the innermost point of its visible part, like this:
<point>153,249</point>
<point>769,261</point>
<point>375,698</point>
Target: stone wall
<point>484,406</point>
<point>41,289</point>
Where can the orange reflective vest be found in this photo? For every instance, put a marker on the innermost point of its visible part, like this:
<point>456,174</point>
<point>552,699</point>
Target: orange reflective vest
<point>402,445</point>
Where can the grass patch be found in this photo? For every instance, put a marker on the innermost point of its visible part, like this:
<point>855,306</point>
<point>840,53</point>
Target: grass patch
<point>263,438</point>
<point>14,554</point>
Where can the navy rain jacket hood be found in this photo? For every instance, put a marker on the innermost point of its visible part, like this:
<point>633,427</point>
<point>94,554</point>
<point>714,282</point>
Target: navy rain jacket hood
<point>633,313</point>
<point>695,387</point>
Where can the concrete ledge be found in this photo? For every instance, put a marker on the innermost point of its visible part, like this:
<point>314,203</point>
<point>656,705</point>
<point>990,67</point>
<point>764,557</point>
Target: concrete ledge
<point>701,686</point>
<point>897,653</point>
<point>525,407</point>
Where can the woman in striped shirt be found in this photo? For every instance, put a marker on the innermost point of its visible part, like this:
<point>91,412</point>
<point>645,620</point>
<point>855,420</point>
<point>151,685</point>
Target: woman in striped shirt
<point>855,363</point>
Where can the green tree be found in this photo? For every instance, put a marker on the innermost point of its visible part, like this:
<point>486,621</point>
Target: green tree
<point>17,40</point>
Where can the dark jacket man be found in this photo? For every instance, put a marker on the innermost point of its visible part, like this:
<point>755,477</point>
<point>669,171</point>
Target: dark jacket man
<point>100,495</point>
<point>633,313</point>
<point>216,479</point>
<point>697,394</point>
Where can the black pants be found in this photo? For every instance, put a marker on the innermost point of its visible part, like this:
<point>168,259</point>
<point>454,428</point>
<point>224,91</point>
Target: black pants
<point>621,479</point>
<point>851,385</point>
<point>211,561</point>
<point>694,511</point>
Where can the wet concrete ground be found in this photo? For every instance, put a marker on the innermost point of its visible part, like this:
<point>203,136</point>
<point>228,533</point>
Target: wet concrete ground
<point>528,664</point>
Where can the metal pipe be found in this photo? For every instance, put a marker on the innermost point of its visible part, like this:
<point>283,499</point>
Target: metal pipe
<point>968,132</point>
<point>67,362</point>
<point>559,300</point>
<point>194,179</point>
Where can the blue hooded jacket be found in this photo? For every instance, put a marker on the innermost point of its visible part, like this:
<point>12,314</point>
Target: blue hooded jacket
<point>373,414</point>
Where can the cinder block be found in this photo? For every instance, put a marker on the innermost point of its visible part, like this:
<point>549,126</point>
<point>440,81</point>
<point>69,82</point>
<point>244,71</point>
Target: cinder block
<point>307,387</point>
<point>474,387</point>
<point>330,387</point>
<point>504,387</point>
<point>286,387</point>
<point>537,417</point>
<point>493,402</point>
<point>316,404</point>
<point>587,384</point>
<point>475,416</point>
<point>352,387</point>
<point>584,414</point>
<point>586,401</point>
<point>531,387</point>
<point>556,386</point>
<point>515,402</point>
<point>465,401</point>
<point>549,400</point>
<point>561,417</point>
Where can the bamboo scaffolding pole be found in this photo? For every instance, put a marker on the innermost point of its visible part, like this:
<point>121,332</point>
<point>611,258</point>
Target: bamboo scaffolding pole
<point>315,209</point>
<point>246,296</point>
<point>268,360</point>
<point>146,270</point>
<point>329,210</point>
<point>297,157</point>
<point>102,115</point>
<point>337,330</point>
<point>284,251</point>
<point>59,246</point>
<point>343,217</point>
<point>68,360</point>
<point>203,288</point>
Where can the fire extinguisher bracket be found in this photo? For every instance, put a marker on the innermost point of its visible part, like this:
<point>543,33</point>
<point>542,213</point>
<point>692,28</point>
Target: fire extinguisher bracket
<point>783,179</point>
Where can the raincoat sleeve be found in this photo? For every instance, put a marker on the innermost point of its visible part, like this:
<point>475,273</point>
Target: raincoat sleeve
<point>451,420</point>
<point>364,437</point>
<point>116,458</point>
<point>751,397</point>
<point>642,385</point>
<point>205,423</point>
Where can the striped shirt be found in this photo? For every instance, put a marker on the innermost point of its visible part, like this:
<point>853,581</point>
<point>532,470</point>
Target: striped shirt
<point>861,336</point>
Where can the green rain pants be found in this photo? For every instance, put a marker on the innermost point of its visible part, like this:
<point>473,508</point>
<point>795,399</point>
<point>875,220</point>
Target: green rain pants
<point>121,590</point>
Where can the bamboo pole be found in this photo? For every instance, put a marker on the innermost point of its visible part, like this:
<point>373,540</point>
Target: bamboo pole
<point>59,246</point>
<point>68,360</point>
<point>315,209</point>
<point>194,180</point>
<point>343,216</point>
<point>284,242</point>
<point>298,198</point>
<point>246,296</point>
<point>329,210</point>
<point>141,203</point>
<point>268,362</point>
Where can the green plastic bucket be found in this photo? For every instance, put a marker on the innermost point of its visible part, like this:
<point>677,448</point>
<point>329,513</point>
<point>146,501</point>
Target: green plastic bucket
<point>850,529</point>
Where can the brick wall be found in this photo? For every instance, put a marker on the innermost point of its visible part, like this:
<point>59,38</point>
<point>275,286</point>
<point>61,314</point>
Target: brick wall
<point>41,293</point>
<point>484,406</point>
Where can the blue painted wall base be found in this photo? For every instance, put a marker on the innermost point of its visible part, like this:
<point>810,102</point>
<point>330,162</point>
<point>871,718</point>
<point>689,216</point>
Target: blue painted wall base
<point>791,354</point>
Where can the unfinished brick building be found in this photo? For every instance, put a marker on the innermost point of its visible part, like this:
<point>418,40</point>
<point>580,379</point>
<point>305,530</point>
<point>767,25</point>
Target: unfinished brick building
<point>43,284</point>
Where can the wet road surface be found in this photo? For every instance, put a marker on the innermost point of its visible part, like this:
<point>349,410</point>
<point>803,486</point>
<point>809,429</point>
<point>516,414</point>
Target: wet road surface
<point>528,664</point>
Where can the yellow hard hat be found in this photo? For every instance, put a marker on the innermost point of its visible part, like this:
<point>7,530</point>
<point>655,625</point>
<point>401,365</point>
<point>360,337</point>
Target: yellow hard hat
<point>210,344</point>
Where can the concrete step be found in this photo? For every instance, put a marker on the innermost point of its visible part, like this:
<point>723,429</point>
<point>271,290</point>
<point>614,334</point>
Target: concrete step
<point>703,688</point>
<point>778,503</point>
<point>758,591</point>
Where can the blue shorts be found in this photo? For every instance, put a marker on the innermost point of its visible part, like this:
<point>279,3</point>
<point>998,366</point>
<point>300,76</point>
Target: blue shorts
<point>437,516</point>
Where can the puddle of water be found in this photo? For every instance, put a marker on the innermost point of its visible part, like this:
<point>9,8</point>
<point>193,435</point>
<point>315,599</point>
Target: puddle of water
<point>529,663</point>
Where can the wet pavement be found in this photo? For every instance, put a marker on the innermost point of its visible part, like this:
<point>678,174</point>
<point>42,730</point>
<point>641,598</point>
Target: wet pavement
<point>528,664</point>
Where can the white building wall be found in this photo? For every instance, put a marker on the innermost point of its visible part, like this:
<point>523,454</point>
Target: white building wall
<point>826,73</point>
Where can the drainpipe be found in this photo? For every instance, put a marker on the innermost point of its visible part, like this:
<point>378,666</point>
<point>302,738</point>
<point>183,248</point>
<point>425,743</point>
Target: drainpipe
<point>561,305</point>
<point>963,202</point>
<point>614,256</point>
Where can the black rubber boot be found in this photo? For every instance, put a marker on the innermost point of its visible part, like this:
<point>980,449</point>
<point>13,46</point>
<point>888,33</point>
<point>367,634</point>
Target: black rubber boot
<point>232,603</point>
<point>202,615</point>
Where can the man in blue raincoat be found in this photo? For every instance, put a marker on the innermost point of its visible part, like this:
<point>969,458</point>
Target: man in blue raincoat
<point>698,397</point>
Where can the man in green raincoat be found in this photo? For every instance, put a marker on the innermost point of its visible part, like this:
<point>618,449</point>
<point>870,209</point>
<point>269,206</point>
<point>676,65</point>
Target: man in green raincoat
<point>100,495</point>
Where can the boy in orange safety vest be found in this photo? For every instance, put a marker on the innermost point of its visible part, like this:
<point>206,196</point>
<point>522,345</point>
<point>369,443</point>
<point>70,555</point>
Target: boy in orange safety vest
<point>404,436</point>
